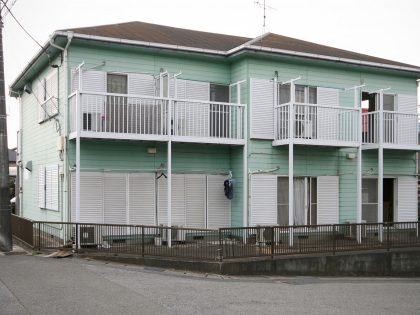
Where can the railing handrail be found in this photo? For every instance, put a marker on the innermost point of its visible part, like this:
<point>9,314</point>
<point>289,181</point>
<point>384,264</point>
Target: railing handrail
<point>352,109</point>
<point>391,112</point>
<point>157,98</point>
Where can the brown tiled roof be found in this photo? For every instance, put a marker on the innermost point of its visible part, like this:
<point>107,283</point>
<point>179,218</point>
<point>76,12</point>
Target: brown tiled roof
<point>154,33</point>
<point>161,34</point>
<point>292,44</point>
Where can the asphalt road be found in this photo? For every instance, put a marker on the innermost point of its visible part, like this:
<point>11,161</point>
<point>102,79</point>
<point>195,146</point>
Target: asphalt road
<point>39,285</point>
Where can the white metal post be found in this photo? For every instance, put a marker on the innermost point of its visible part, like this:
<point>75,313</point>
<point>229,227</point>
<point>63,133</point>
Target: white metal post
<point>244,158</point>
<point>380,166</point>
<point>357,105</point>
<point>78,114</point>
<point>291,137</point>
<point>169,179</point>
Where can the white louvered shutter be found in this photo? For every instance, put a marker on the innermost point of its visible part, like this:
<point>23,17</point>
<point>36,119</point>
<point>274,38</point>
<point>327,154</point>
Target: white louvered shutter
<point>51,187</point>
<point>91,197</point>
<point>407,125</point>
<point>141,84</point>
<point>262,109</point>
<point>142,199</point>
<point>162,200</point>
<point>115,197</point>
<point>327,198</point>
<point>93,81</point>
<point>218,206</point>
<point>327,119</point>
<point>263,200</point>
<point>178,200</point>
<point>195,199</point>
<point>194,118</point>
<point>407,199</point>
<point>41,187</point>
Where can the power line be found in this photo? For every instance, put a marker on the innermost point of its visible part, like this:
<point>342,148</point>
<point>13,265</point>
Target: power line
<point>23,28</point>
<point>11,6</point>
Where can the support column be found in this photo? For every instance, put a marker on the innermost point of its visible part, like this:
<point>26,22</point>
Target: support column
<point>291,137</point>
<point>380,166</point>
<point>359,166</point>
<point>169,171</point>
<point>77,195</point>
<point>244,157</point>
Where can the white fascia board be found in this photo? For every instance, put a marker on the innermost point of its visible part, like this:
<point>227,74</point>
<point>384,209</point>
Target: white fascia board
<point>330,58</point>
<point>141,43</point>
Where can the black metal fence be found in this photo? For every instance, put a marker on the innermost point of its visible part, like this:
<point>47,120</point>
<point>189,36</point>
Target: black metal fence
<point>224,243</point>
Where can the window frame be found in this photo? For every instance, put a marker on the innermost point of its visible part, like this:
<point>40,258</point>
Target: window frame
<point>48,190</point>
<point>46,83</point>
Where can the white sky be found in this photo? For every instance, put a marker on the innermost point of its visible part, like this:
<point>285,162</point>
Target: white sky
<point>382,28</point>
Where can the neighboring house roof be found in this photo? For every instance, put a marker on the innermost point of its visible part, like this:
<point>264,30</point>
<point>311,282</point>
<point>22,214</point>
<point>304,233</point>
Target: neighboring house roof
<point>166,37</point>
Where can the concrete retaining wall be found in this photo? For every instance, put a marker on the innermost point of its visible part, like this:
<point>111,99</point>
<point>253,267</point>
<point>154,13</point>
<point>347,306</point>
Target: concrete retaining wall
<point>404,262</point>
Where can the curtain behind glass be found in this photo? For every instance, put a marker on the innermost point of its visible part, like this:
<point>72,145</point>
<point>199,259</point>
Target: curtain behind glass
<point>299,201</point>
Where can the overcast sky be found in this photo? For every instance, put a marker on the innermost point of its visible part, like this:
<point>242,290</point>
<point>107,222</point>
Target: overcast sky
<point>383,28</point>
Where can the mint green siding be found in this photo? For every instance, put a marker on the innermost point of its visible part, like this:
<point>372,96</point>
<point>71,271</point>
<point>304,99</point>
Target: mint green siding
<point>39,143</point>
<point>317,161</point>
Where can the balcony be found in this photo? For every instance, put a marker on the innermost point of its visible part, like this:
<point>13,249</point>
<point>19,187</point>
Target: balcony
<point>400,130</point>
<point>136,117</point>
<point>314,124</point>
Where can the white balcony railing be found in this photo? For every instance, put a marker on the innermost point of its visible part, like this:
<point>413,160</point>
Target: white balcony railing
<point>120,116</point>
<point>317,124</point>
<point>399,129</point>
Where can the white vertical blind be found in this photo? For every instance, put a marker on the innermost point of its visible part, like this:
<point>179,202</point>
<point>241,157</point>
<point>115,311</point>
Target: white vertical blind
<point>218,206</point>
<point>263,200</point>
<point>262,109</point>
<point>407,199</point>
<point>328,199</point>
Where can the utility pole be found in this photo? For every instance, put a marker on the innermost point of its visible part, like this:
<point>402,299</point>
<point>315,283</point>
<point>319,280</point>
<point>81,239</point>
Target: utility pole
<point>5,209</point>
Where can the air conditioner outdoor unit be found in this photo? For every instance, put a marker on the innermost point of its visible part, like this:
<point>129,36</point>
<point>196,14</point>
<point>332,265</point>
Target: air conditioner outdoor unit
<point>177,235</point>
<point>87,235</point>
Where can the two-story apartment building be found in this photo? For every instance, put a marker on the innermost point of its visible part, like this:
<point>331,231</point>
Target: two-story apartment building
<point>138,123</point>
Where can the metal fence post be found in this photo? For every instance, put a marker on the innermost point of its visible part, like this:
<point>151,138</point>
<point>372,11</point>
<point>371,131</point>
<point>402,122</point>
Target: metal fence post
<point>220,245</point>
<point>334,240</point>
<point>39,235</point>
<point>142,241</point>
<point>272,242</point>
<point>77,237</point>
<point>388,240</point>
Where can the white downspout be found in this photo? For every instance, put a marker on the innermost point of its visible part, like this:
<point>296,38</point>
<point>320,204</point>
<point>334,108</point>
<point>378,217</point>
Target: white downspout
<point>66,199</point>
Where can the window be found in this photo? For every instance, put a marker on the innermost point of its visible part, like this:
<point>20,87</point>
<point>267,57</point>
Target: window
<point>219,113</point>
<point>389,102</point>
<point>303,94</point>
<point>304,200</point>
<point>47,96</point>
<point>48,187</point>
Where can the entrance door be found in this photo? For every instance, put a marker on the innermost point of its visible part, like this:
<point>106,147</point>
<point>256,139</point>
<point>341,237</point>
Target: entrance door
<point>388,200</point>
<point>116,106</point>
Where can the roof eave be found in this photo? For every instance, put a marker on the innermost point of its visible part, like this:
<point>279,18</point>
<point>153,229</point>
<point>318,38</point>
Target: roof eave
<point>327,58</point>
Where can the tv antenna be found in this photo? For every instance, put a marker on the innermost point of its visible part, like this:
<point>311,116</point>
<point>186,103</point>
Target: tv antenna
<point>264,7</point>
